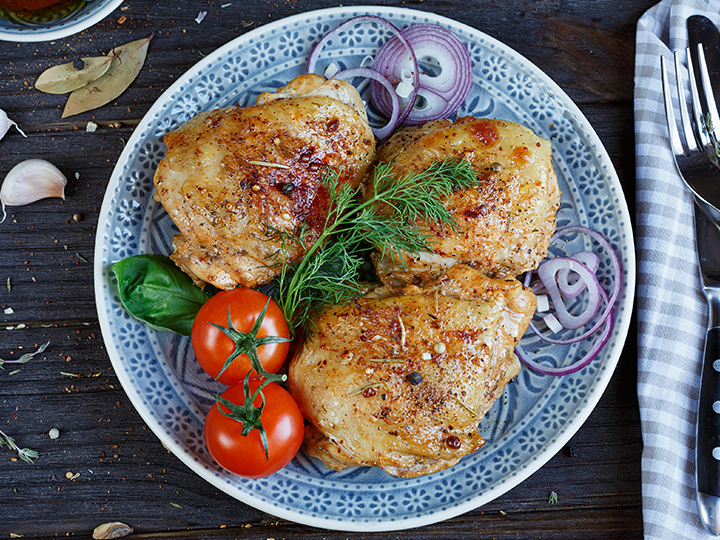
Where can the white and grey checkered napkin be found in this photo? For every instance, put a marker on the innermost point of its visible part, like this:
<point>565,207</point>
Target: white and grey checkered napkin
<point>671,310</point>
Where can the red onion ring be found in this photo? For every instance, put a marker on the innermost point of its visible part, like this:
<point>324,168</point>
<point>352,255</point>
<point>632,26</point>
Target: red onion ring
<point>443,94</point>
<point>403,46</point>
<point>547,272</point>
<point>571,290</point>
<point>609,303</point>
<point>387,129</point>
<point>575,366</point>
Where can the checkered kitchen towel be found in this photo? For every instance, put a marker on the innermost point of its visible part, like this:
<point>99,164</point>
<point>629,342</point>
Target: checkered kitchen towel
<point>671,311</point>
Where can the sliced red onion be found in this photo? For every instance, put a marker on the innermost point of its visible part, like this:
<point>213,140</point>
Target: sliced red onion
<point>403,45</point>
<point>579,337</point>
<point>428,106</point>
<point>572,289</point>
<point>542,304</point>
<point>387,129</point>
<point>575,366</point>
<point>609,303</point>
<point>547,272</point>
<point>441,95</point>
<point>552,323</point>
<point>614,260</point>
<point>605,318</point>
<point>315,51</point>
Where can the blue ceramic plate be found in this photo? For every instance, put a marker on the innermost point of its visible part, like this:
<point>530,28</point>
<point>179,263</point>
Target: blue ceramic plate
<point>526,427</point>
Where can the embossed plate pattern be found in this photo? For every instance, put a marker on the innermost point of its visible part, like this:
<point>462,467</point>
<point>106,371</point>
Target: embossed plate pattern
<point>526,427</point>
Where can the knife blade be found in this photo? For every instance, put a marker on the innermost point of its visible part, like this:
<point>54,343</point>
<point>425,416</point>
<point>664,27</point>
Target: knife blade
<point>702,30</point>
<point>707,438</point>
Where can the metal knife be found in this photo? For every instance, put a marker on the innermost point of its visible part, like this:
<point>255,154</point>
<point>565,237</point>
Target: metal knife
<point>707,234</point>
<point>707,443</point>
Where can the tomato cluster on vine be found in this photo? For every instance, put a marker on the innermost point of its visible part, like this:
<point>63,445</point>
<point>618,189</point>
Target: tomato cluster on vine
<point>241,339</point>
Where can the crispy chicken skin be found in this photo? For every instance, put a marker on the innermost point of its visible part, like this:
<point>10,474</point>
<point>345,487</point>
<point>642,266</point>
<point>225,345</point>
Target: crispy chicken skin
<point>505,223</point>
<point>228,174</point>
<point>400,379</point>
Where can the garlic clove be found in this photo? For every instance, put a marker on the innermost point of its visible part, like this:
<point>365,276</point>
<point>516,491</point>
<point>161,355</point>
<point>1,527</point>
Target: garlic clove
<point>6,124</point>
<point>30,181</point>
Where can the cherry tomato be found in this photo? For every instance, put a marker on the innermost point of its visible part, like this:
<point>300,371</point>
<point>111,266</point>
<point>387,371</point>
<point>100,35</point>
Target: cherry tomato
<point>244,455</point>
<point>213,346</point>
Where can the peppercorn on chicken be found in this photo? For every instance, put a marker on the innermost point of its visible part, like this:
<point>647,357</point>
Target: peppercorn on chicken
<point>504,224</point>
<point>238,182</point>
<point>401,378</point>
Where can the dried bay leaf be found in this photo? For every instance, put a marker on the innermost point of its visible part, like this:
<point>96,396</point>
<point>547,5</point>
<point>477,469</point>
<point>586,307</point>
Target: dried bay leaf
<point>66,78</point>
<point>127,61</point>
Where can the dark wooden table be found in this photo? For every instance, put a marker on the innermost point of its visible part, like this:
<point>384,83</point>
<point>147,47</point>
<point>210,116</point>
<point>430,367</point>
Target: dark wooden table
<point>106,464</point>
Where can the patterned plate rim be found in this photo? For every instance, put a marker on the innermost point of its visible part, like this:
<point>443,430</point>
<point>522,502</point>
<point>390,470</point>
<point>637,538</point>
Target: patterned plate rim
<point>529,467</point>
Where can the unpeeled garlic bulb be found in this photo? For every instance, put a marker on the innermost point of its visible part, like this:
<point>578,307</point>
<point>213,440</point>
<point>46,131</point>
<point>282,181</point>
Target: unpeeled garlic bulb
<point>30,181</point>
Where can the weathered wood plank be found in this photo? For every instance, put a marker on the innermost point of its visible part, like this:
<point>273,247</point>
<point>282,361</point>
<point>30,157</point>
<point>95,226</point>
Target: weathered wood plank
<point>124,473</point>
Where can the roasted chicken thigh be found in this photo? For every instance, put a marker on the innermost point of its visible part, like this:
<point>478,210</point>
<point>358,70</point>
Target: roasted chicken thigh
<point>232,178</point>
<point>400,379</point>
<point>504,225</point>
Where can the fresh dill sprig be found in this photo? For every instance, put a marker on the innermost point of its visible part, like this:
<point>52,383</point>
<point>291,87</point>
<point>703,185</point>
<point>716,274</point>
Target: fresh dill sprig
<point>26,454</point>
<point>389,219</point>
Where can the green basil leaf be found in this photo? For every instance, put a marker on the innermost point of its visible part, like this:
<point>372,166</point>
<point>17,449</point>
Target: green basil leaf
<point>158,293</point>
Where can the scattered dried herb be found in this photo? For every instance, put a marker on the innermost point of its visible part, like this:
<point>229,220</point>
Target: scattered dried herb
<point>467,407</point>
<point>361,390</point>
<point>25,358</point>
<point>266,164</point>
<point>553,498</point>
<point>26,454</point>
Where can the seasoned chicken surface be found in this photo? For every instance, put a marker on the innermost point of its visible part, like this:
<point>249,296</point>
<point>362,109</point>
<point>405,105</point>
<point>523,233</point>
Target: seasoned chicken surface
<point>400,379</point>
<point>504,225</point>
<point>232,176</point>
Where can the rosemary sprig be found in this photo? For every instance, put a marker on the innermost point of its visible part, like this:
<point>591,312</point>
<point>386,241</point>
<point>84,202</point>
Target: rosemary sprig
<point>26,454</point>
<point>25,358</point>
<point>389,219</point>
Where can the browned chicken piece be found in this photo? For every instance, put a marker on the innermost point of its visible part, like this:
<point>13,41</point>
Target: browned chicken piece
<point>504,225</point>
<point>231,176</point>
<point>400,379</point>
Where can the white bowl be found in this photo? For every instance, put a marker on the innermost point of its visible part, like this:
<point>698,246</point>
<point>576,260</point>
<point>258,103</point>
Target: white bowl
<point>93,11</point>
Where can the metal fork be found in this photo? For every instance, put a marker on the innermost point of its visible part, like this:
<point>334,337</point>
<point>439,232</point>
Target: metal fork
<point>692,147</point>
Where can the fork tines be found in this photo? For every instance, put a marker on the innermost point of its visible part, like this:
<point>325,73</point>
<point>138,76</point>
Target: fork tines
<point>695,129</point>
